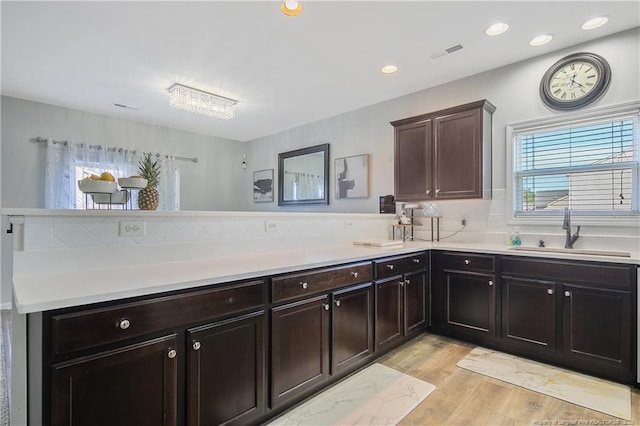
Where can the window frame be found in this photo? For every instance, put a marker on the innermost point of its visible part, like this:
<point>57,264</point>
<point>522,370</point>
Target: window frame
<point>627,219</point>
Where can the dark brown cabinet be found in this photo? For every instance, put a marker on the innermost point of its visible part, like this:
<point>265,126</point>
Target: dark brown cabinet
<point>444,154</point>
<point>300,347</point>
<point>352,331</point>
<point>226,386</point>
<point>578,314</point>
<point>401,300</point>
<point>135,385</point>
<point>464,294</point>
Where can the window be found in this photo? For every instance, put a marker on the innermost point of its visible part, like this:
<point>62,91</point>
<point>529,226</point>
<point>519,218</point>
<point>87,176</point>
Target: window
<point>587,164</point>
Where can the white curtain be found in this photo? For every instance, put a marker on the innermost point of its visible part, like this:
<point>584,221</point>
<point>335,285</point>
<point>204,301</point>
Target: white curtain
<point>70,161</point>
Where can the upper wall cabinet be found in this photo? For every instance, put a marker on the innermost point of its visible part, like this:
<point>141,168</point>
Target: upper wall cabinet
<point>444,155</point>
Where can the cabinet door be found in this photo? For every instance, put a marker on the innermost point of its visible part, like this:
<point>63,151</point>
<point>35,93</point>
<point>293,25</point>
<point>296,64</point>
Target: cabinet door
<point>597,325</point>
<point>470,303</point>
<point>414,302</point>
<point>352,337</point>
<point>300,347</point>
<point>458,155</point>
<point>134,385</point>
<point>225,371</point>
<point>529,312</point>
<point>413,161</point>
<point>389,324</point>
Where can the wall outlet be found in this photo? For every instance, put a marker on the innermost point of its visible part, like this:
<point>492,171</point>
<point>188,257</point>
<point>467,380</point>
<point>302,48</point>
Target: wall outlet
<point>348,224</point>
<point>132,229</point>
<point>271,226</point>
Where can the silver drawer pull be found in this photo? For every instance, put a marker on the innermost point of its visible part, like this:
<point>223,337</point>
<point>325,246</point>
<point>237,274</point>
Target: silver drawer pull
<point>196,345</point>
<point>567,293</point>
<point>337,303</point>
<point>490,282</point>
<point>124,324</point>
<point>466,261</point>
<point>304,285</point>
<point>437,190</point>
<point>326,306</point>
<point>416,260</point>
<point>355,274</point>
<point>172,353</point>
<point>407,282</point>
<point>390,267</point>
<point>549,291</point>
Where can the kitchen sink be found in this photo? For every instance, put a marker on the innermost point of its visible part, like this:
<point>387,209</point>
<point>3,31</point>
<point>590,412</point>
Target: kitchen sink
<point>574,251</point>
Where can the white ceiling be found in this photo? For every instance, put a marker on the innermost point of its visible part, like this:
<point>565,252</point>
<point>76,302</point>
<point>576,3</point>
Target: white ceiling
<point>284,71</point>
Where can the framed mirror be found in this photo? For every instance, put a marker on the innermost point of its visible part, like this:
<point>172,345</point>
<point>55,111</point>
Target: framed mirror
<point>303,176</point>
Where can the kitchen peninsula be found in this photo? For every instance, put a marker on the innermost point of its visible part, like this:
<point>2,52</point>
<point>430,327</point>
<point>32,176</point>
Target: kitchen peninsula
<point>174,297</point>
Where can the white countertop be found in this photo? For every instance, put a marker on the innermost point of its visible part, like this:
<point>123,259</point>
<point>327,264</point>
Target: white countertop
<point>58,279</point>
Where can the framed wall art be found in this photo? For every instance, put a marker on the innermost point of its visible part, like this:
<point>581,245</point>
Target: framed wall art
<point>263,186</point>
<point>352,176</point>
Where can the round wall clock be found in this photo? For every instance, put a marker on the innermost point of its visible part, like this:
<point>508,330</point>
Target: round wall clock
<point>575,81</point>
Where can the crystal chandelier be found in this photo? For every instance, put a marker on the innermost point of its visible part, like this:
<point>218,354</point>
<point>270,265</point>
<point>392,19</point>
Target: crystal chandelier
<point>199,102</point>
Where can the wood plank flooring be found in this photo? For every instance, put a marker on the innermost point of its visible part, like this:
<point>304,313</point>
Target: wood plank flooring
<point>466,398</point>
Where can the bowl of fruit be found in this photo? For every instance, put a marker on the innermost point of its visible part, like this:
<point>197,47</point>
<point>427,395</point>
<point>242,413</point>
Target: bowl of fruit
<point>94,184</point>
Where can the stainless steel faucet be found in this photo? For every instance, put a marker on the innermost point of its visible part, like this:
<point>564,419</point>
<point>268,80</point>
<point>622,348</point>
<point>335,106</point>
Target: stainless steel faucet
<point>566,225</point>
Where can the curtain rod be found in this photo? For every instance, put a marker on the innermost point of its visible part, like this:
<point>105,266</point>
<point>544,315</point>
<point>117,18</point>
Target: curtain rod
<point>192,159</point>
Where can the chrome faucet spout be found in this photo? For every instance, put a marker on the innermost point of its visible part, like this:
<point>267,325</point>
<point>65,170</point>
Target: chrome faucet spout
<point>566,225</point>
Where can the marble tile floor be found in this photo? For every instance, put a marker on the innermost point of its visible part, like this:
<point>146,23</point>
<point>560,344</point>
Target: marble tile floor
<point>463,397</point>
<point>590,392</point>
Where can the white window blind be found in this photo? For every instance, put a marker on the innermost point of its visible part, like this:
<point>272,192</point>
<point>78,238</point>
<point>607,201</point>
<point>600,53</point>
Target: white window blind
<point>590,167</point>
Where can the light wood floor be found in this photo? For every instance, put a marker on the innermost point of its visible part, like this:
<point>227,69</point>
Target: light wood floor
<point>466,398</point>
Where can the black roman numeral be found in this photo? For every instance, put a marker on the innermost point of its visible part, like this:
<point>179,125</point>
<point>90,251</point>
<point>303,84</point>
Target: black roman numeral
<point>555,92</point>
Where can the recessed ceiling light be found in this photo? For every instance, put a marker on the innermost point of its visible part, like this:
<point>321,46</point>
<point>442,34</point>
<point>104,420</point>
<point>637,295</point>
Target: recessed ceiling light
<point>291,8</point>
<point>541,39</point>
<point>389,69</point>
<point>595,23</point>
<point>497,29</point>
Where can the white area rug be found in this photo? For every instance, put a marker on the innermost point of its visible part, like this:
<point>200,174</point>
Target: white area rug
<point>590,392</point>
<point>377,395</point>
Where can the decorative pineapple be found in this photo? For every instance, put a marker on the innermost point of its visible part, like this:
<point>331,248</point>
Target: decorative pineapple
<point>150,170</point>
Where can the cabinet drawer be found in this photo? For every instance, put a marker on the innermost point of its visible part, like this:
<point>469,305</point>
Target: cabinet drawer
<point>400,265</point>
<point>467,262</point>
<point>597,274</point>
<point>91,328</point>
<point>292,286</point>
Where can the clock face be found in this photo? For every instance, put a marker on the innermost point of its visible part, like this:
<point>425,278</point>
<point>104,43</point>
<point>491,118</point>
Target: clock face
<point>575,81</point>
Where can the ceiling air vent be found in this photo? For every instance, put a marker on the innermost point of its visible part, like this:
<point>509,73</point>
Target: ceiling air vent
<point>446,51</point>
<point>126,107</point>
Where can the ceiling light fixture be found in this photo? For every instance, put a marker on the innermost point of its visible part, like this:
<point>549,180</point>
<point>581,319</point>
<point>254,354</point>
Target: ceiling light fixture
<point>200,102</point>
<point>389,69</point>
<point>594,23</point>
<point>541,39</point>
<point>496,29</point>
<point>291,8</point>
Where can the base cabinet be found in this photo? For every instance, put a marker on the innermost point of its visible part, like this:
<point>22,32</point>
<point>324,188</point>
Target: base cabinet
<point>226,386</point>
<point>401,299</point>
<point>130,386</point>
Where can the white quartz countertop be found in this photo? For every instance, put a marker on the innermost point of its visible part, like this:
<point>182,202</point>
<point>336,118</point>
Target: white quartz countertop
<point>49,280</point>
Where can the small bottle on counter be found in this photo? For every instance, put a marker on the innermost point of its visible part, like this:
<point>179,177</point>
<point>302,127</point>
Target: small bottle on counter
<point>516,239</point>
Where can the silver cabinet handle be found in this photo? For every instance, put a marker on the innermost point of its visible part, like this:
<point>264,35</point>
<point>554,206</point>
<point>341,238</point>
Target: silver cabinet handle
<point>401,283</point>
<point>437,190</point>
<point>466,261</point>
<point>124,324</point>
<point>304,285</point>
<point>428,191</point>
<point>355,274</point>
<point>172,353</point>
<point>337,303</point>
<point>567,293</point>
<point>390,267</point>
<point>490,282</point>
<point>326,306</point>
<point>196,345</point>
<point>549,291</point>
<point>407,282</point>
<point>416,260</point>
